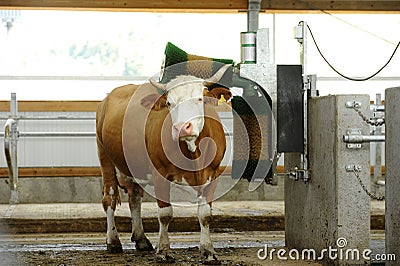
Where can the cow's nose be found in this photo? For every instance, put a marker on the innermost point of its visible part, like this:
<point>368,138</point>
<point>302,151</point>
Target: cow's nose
<point>183,129</point>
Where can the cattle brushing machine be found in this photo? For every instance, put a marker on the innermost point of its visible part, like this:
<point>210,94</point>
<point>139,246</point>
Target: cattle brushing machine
<point>286,89</point>
<point>270,93</point>
<point>283,91</point>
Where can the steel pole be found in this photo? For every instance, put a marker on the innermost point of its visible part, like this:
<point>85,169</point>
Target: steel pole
<point>252,15</point>
<point>13,149</point>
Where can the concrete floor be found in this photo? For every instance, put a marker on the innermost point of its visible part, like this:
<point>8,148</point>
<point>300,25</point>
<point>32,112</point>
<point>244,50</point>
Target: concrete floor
<point>73,229</point>
<point>89,248</point>
<point>90,217</point>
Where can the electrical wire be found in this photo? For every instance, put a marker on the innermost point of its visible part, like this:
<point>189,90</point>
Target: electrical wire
<point>358,27</point>
<point>313,7</point>
<point>344,76</point>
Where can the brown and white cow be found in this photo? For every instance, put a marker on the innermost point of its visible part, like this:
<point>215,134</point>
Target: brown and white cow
<point>173,135</point>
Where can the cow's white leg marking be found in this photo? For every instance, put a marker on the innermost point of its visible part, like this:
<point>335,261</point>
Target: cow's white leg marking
<point>164,218</point>
<point>135,205</point>
<point>138,236</point>
<point>113,242</point>
<point>204,215</point>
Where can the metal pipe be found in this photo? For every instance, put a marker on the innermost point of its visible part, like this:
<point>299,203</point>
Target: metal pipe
<point>7,147</point>
<point>306,86</point>
<point>13,167</point>
<point>378,146</point>
<point>50,118</point>
<point>363,138</point>
<point>56,118</point>
<point>252,14</point>
<point>273,51</point>
<point>57,134</point>
<point>68,134</point>
<point>10,151</point>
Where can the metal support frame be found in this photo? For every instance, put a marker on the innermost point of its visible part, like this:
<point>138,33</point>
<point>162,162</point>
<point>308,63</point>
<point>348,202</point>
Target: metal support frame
<point>261,71</point>
<point>350,137</point>
<point>253,10</point>
<point>377,113</point>
<point>11,149</point>
<point>12,134</point>
<point>306,88</point>
<point>309,90</point>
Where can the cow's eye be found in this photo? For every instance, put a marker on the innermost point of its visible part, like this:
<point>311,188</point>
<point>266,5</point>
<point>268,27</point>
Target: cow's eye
<point>168,104</point>
<point>200,100</point>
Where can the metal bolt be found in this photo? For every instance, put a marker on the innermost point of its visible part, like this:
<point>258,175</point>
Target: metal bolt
<point>353,104</point>
<point>353,168</point>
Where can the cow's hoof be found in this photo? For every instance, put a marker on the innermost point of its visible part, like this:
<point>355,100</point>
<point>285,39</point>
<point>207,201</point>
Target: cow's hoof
<point>165,257</point>
<point>209,258</point>
<point>143,244</point>
<point>114,248</point>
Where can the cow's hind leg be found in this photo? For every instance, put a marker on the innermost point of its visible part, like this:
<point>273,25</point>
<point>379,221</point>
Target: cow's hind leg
<point>110,200</point>
<point>135,204</point>
<point>165,214</point>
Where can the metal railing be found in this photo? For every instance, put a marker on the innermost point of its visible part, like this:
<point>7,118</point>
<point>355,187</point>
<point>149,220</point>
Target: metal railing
<point>11,135</point>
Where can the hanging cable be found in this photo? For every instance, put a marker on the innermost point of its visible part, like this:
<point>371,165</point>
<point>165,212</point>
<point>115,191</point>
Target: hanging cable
<point>344,76</point>
<point>358,27</point>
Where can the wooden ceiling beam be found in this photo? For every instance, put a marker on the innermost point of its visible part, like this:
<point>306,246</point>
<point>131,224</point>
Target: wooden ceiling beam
<point>206,6</point>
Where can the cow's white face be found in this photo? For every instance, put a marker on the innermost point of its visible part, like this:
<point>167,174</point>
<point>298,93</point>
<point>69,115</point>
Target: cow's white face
<point>185,103</point>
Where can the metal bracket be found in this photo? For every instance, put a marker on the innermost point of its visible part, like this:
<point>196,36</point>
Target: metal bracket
<point>354,138</point>
<point>297,174</point>
<point>353,133</point>
<point>353,168</point>
<point>353,104</point>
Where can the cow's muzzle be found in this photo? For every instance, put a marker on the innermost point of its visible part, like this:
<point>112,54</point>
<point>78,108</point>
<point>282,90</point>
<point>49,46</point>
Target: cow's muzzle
<point>182,130</point>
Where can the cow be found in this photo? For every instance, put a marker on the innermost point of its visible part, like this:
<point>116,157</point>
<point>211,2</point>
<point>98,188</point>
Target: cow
<point>171,131</point>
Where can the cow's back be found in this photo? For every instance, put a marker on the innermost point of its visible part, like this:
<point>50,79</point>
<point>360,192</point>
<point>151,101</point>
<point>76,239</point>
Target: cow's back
<point>120,123</point>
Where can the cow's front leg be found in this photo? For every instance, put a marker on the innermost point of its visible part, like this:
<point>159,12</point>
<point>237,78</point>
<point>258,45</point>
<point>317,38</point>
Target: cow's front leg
<point>206,247</point>
<point>135,205</point>
<point>165,214</point>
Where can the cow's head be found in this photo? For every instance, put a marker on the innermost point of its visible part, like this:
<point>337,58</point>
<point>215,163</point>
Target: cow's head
<point>185,97</point>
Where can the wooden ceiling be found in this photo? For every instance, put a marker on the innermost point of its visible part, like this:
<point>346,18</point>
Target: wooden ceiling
<point>231,6</point>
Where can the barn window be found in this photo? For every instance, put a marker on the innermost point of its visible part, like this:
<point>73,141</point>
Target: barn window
<point>83,55</point>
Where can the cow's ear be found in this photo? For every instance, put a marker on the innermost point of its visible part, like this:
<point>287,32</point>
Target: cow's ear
<point>154,101</point>
<point>218,92</point>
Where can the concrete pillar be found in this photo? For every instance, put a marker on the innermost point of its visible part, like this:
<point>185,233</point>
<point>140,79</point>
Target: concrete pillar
<point>332,205</point>
<point>392,157</point>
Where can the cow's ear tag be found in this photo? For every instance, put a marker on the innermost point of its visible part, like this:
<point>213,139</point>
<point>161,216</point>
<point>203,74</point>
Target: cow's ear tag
<point>160,91</point>
<point>221,100</point>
